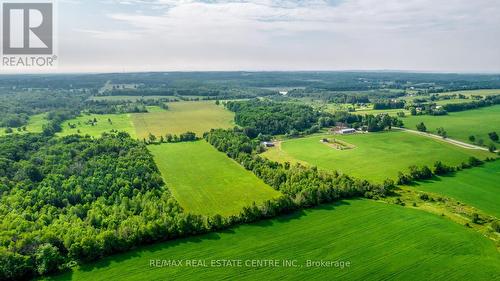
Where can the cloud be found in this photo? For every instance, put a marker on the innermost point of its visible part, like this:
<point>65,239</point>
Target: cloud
<point>456,35</point>
<point>111,34</point>
<point>234,17</point>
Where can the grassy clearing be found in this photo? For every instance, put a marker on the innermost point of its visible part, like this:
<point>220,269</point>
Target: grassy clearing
<point>205,181</point>
<point>198,117</point>
<point>377,156</point>
<point>381,241</point>
<point>478,187</point>
<point>461,125</point>
<point>119,122</point>
<point>35,125</point>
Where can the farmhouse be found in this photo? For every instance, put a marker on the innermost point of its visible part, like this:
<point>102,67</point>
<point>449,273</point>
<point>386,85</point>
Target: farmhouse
<point>347,131</point>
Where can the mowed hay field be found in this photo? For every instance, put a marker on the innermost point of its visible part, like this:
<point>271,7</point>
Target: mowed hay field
<point>461,125</point>
<point>119,122</point>
<point>206,181</point>
<point>198,117</point>
<point>478,187</point>
<point>381,242</point>
<point>376,156</point>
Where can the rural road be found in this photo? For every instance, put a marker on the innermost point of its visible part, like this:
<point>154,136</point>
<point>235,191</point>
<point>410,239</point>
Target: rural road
<point>448,140</point>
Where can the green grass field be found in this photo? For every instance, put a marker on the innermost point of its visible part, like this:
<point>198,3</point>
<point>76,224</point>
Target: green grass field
<point>478,187</point>
<point>120,122</point>
<point>484,93</point>
<point>206,181</point>
<point>461,125</point>
<point>198,117</point>
<point>377,156</point>
<point>35,125</point>
<point>381,242</point>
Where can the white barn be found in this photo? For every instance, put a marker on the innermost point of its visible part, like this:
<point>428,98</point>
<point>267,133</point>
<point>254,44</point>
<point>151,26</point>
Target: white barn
<point>347,131</point>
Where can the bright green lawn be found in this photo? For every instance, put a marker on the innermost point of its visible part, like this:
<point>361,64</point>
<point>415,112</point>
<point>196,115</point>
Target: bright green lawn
<point>120,122</point>
<point>206,181</point>
<point>382,242</point>
<point>35,125</point>
<point>461,125</point>
<point>377,156</point>
<point>478,187</point>
<point>198,117</point>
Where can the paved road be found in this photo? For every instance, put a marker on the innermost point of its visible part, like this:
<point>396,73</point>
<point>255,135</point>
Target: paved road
<point>448,140</point>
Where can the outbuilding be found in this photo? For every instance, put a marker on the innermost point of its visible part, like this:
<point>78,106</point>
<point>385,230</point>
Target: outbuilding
<point>347,131</point>
<point>268,144</point>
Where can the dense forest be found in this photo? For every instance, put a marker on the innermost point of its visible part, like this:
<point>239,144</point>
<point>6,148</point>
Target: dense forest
<point>273,118</point>
<point>16,107</point>
<point>77,199</point>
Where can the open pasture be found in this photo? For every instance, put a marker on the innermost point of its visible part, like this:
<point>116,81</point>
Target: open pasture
<point>461,125</point>
<point>376,156</point>
<point>206,181</point>
<point>35,125</point>
<point>198,117</point>
<point>478,187</point>
<point>380,241</point>
<point>84,125</point>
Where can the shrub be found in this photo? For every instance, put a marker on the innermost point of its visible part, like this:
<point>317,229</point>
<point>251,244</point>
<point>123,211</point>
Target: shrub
<point>496,226</point>
<point>424,196</point>
<point>476,219</point>
<point>421,127</point>
<point>493,136</point>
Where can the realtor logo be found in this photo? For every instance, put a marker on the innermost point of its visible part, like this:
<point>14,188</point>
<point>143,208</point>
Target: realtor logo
<point>28,35</point>
<point>27,29</point>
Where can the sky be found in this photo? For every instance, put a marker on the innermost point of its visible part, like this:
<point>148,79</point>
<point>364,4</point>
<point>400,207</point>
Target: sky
<point>199,35</point>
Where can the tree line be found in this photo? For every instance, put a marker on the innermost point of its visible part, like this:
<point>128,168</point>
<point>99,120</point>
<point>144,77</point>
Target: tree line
<point>416,173</point>
<point>487,101</point>
<point>123,106</point>
<point>304,186</point>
